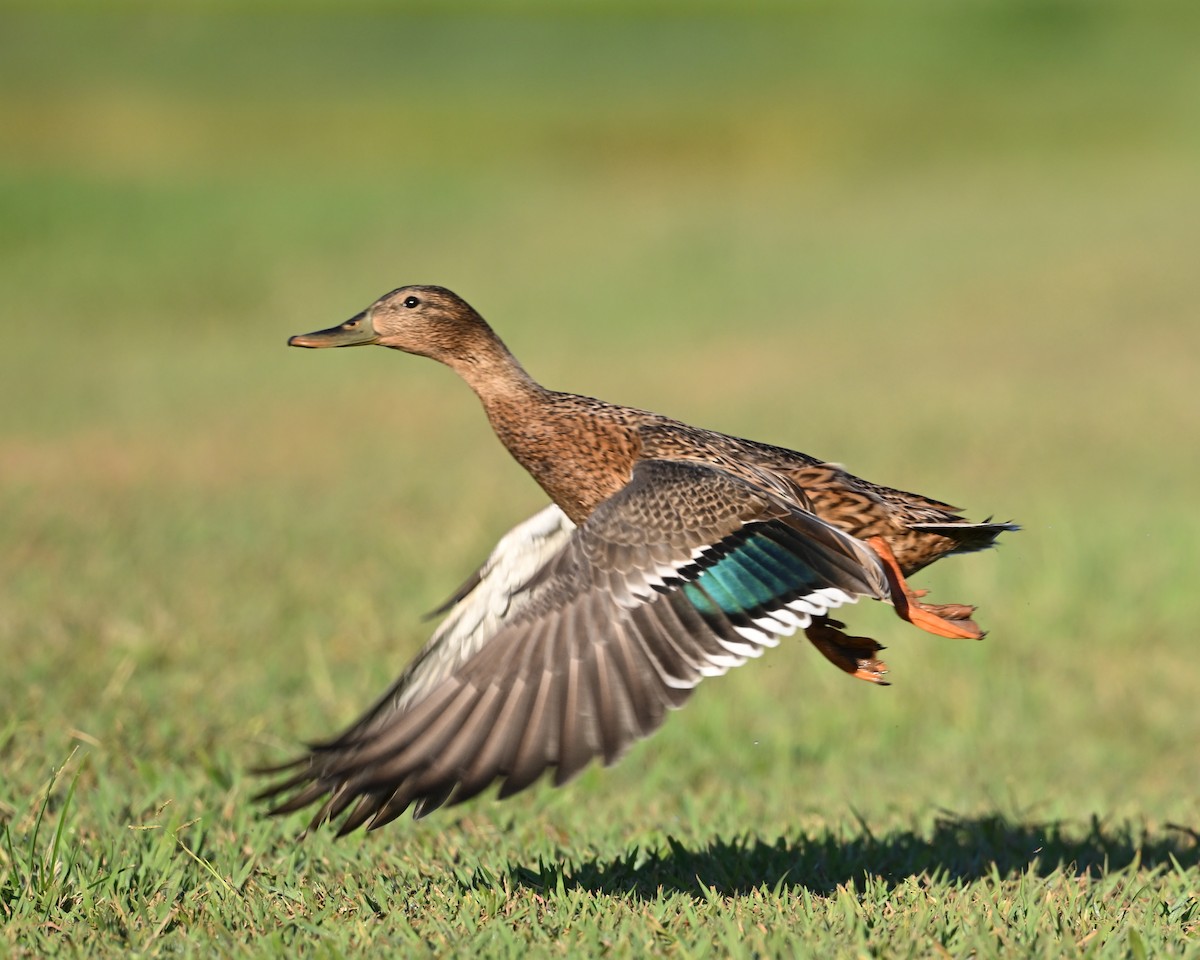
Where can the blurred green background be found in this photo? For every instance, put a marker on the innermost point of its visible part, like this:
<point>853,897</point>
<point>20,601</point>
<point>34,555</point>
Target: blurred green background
<point>953,246</point>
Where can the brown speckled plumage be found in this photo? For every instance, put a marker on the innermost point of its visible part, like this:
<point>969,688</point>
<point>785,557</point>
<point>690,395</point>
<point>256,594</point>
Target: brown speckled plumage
<point>582,451</point>
<point>674,553</point>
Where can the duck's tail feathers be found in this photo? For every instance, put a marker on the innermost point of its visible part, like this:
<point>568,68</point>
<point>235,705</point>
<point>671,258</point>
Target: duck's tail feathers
<point>968,537</point>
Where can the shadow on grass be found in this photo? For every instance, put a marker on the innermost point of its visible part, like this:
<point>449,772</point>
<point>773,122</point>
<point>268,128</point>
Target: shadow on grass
<point>956,849</point>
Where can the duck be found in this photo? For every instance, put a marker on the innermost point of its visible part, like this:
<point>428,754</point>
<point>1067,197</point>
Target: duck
<point>667,554</point>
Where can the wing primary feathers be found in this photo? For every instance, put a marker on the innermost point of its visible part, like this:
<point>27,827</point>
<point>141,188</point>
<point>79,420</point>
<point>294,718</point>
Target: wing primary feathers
<point>656,644</point>
<point>615,718</point>
<point>570,643</point>
<point>497,751</point>
<point>392,807</point>
<point>376,767</point>
<point>471,734</point>
<point>381,731</point>
<point>316,788</point>
<point>539,739</point>
<point>578,742</point>
<point>631,661</point>
<point>368,805</point>
<point>424,806</point>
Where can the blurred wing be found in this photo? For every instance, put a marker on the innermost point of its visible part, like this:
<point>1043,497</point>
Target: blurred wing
<point>494,593</point>
<point>684,573</point>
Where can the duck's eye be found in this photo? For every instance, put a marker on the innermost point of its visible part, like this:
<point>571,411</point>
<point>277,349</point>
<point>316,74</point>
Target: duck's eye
<point>411,302</point>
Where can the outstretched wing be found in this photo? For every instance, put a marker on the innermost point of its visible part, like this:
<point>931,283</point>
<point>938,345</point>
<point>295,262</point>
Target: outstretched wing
<point>492,594</point>
<point>684,573</point>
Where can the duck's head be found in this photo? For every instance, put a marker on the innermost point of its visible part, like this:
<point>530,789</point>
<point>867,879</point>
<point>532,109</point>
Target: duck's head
<point>428,321</point>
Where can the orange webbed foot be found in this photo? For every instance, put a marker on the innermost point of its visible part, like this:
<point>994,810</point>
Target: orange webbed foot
<point>854,655</point>
<point>951,620</point>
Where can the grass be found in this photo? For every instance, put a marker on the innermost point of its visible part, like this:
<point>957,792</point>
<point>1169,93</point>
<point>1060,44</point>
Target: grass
<point>952,248</point>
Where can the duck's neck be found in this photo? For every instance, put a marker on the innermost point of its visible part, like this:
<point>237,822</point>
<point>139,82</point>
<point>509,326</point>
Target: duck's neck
<point>576,455</point>
<point>496,376</point>
<point>526,420</point>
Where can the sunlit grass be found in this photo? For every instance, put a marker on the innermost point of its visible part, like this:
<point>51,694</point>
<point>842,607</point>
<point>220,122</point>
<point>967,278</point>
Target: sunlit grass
<point>955,252</point>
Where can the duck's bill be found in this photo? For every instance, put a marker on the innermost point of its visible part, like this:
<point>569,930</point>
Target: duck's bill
<point>355,332</point>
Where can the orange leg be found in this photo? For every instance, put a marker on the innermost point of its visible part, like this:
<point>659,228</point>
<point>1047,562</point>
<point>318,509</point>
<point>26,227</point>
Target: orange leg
<point>855,655</point>
<point>945,620</point>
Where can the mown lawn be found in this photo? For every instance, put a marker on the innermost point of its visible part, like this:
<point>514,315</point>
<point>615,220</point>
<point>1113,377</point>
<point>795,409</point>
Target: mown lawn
<point>954,248</point>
